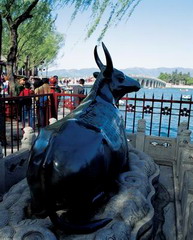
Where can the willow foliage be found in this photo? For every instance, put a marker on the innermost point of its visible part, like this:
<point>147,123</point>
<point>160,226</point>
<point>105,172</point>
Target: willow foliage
<point>38,37</point>
<point>36,33</point>
<point>113,12</point>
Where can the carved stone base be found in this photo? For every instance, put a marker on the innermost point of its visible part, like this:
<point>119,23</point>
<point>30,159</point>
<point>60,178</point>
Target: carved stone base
<point>131,209</point>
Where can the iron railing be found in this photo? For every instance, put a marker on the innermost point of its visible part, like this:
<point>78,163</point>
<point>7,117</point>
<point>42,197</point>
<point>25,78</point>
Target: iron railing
<point>162,116</point>
<point>16,113</point>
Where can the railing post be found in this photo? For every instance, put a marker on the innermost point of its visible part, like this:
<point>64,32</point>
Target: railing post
<point>28,138</point>
<point>54,105</point>
<point>183,126</point>
<point>183,138</point>
<point>2,121</point>
<point>52,120</point>
<point>186,163</point>
<point>186,203</point>
<point>140,136</point>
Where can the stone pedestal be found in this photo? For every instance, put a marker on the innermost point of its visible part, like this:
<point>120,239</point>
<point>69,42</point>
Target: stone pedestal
<point>131,209</point>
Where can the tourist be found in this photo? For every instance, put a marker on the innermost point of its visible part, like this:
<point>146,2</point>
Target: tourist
<point>1,83</point>
<point>37,83</point>
<point>27,111</point>
<point>78,89</point>
<point>43,102</point>
<point>5,85</point>
<point>19,86</point>
<point>57,88</point>
<point>33,80</point>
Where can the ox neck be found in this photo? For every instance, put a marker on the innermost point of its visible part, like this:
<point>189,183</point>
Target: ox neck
<point>106,94</point>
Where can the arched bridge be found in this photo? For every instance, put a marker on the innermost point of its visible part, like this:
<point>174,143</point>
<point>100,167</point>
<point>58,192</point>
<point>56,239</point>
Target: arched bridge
<point>149,82</point>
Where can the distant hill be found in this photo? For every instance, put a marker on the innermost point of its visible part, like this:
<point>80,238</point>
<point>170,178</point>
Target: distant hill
<point>85,72</point>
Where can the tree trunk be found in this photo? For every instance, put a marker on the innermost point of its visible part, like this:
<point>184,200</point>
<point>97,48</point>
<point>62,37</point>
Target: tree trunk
<point>13,25</point>
<point>10,74</point>
<point>27,67</point>
<point>11,58</point>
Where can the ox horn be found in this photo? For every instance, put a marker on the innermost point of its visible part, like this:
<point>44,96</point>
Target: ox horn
<point>109,67</point>
<point>97,59</point>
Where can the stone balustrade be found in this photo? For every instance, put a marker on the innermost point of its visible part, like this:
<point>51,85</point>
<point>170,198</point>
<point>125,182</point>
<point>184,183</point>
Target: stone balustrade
<point>178,153</point>
<point>13,169</point>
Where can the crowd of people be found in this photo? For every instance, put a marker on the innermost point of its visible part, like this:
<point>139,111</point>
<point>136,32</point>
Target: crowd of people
<point>26,107</point>
<point>36,86</point>
<point>35,82</point>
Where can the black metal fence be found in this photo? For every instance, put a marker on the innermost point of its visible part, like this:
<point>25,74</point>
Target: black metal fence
<point>16,113</point>
<point>162,116</point>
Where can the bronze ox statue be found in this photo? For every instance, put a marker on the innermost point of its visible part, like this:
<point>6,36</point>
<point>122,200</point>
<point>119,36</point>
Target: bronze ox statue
<point>76,161</point>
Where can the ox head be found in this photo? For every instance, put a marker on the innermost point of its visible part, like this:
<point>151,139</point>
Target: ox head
<point>119,83</point>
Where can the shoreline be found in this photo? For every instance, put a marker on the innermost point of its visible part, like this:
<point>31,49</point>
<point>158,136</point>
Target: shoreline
<point>179,86</point>
<point>167,86</point>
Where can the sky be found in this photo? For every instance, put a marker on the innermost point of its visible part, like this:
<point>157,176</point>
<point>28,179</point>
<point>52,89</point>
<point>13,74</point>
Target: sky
<point>159,33</point>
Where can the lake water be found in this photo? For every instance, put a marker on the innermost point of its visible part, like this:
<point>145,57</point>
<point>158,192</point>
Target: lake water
<point>154,124</point>
<point>167,92</point>
<point>161,125</point>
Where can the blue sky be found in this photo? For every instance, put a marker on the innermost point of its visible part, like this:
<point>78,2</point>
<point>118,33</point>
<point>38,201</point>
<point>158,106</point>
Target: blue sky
<point>158,34</point>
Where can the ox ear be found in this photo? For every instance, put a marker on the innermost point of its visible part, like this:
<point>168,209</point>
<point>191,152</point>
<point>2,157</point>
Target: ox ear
<point>95,74</point>
<point>109,66</point>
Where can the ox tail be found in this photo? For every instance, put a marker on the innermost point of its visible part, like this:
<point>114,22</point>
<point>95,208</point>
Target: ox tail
<point>78,228</point>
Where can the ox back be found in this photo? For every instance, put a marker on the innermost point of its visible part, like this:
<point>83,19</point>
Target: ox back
<point>76,160</point>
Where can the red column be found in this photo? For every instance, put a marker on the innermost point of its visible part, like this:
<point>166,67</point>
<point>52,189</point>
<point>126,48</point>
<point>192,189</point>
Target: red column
<point>54,101</point>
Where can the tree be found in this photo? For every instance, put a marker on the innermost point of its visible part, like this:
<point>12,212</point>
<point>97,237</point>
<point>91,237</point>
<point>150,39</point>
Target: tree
<point>176,78</point>
<point>32,34</point>
<point>16,12</point>
<point>165,77</point>
<point>38,40</point>
<point>14,16</point>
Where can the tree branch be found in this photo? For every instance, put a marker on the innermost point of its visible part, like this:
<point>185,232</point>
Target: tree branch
<point>9,4</point>
<point>7,14</point>
<point>26,14</point>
